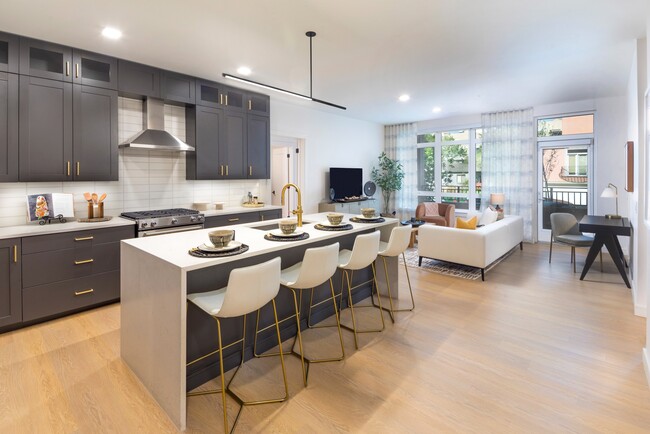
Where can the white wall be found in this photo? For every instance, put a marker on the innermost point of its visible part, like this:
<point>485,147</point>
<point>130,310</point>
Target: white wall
<point>331,140</point>
<point>645,183</point>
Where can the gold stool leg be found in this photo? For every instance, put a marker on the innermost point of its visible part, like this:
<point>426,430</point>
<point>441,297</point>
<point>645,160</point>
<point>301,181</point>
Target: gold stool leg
<point>390,297</point>
<point>351,306</point>
<point>284,371</point>
<point>223,381</point>
<point>305,370</point>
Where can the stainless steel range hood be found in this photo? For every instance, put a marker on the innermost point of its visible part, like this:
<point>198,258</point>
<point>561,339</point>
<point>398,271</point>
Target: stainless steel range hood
<point>154,135</point>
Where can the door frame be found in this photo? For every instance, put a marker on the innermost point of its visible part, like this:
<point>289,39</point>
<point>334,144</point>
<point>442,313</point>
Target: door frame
<point>544,235</point>
<point>295,143</point>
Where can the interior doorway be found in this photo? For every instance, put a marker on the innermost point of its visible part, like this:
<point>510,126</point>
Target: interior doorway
<point>286,167</point>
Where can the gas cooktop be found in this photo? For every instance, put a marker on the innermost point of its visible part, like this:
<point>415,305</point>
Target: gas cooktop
<point>135,215</point>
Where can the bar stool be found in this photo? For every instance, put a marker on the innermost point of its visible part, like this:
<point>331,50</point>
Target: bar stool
<point>317,267</point>
<point>248,290</point>
<point>399,240</point>
<point>363,254</point>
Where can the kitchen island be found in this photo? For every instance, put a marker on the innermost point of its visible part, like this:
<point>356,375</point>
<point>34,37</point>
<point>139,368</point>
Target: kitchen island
<point>160,333</point>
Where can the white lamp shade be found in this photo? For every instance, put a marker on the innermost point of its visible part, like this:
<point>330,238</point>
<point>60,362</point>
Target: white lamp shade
<point>608,192</point>
<point>497,198</point>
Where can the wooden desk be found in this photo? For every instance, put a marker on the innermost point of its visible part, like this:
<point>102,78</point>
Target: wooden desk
<point>606,231</point>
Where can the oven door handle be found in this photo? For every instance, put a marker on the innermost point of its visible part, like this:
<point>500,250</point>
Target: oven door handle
<point>153,232</point>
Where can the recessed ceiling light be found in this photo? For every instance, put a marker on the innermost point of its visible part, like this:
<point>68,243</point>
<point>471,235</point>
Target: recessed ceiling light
<point>404,98</point>
<point>111,33</point>
<point>437,109</point>
<point>244,70</point>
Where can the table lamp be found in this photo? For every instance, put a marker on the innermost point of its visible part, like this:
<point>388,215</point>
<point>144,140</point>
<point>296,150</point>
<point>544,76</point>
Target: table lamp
<point>498,199</point>
<point>611,191</point>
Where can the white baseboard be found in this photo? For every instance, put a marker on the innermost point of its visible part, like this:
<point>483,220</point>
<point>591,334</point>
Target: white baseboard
<point>640,310</point>
<point>646,364</point>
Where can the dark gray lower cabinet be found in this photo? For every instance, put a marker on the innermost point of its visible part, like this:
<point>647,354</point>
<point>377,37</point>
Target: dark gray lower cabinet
<point>8,127</point>
<point>70,271</point>
<point>45,127</point>
<point>95,134</point>
<point>244,217</point>
<point>10,298</point>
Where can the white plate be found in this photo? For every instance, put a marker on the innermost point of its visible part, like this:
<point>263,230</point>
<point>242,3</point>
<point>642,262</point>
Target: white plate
<point>211,248</point>
<point>329,225</point>
<point>361,217</point>
<point>279,233</point>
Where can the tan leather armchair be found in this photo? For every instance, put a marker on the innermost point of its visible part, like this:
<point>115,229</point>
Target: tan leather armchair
<point>441,214</point>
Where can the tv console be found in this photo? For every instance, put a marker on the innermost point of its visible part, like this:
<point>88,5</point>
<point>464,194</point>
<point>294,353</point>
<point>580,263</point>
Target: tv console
<point>351,200</point>
<point>348,207</point>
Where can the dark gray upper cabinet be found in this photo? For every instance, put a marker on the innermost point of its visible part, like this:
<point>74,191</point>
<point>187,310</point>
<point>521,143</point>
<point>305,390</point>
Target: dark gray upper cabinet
<point>8,127</point>
<point>11,311</point>
<point>258,104</point>
<point>45,127</point>
<point>9,49</point>
<point>92,69</point>
<point>177,87</point>
<point>95,134</point>
<point>210,93</point>
<point>258,147</point>
<point>45,60</point>
<point>234,99</point>
<point>138,80</point>
<point>204,127</point>
<point>233,145</point>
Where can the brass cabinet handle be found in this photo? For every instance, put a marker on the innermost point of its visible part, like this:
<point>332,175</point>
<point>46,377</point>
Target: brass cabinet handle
<point>226,164</point>
<point>85,261</point>
<point>15,254</point>
<point>78,168</point>
<point>226,99</point>
<point>221,167</point>
<point>250,105</point>
<point>87,291</point>
<point>221,98</point>
<point>250,170</point>
<point>84,238</point>
<point>236,219</point>
<point>68,168</point>
<point>67,68</point>
<point>76,70</point>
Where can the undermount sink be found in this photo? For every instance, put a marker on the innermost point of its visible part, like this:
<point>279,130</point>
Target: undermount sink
<point>272,226</point>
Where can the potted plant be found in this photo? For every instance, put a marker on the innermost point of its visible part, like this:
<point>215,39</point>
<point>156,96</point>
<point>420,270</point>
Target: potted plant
<point>388,176</point>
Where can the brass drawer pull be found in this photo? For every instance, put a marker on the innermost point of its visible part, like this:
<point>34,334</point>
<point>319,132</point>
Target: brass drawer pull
<point>76,70</point>
<point>226,99</point>
<point>226,170</point>
<point>250,105</point>
<point>236,219</point>
<point>221,98</point>
<point>67,68</point>
<point>85,261</point>
<point>68,168</point>
<point>221,167</point>
<point>84,238</point>
<point>87,291</point>
<point>250,170</point>
<point>78,168</point>
<point>15,254</point>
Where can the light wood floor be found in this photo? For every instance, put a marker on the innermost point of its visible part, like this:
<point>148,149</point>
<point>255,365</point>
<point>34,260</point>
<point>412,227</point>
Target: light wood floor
<point>532,349</point>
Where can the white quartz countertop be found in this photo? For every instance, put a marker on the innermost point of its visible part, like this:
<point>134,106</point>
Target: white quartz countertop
<point>32,229</point>
<point>238,209</point>
<point>173,248</point>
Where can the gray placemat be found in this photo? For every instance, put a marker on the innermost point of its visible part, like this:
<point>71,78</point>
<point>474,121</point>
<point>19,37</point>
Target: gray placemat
<point>358,220</point>
<point>300,237</point>
<point>345,227</point>
<point>201,254</point>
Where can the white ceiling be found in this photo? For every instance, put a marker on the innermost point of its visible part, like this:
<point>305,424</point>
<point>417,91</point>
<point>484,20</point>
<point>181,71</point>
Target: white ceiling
<point>466,56</point>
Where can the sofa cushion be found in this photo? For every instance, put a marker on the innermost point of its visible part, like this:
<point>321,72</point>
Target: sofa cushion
<point>498,211</point>
<point>488,216</point>
<point>466,224</point>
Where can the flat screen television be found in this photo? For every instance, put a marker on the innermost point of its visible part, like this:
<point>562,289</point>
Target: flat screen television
<point>346,182</point>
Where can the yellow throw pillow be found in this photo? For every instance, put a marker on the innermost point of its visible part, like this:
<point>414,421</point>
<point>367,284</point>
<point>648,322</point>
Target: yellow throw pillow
<point>466,224</point>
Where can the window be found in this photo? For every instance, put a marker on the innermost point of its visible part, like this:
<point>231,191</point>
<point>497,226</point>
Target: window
<point>577,162</point>
<point>567,125</point>
<point>449,167</point>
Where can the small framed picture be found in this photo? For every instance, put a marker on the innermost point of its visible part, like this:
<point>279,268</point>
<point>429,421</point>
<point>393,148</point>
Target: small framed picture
<point>49,205</point>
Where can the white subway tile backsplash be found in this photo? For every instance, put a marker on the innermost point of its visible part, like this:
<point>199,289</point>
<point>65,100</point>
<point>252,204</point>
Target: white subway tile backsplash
<point>148,179</point>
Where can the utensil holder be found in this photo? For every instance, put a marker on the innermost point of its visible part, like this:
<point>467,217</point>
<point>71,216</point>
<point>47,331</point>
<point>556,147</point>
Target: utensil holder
<point>96,210</point>
<point>91,213</point>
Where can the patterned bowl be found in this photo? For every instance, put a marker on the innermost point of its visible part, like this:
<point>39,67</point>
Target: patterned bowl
<point>288,226</point>
<point>335,218</point>
<point>368,212</point>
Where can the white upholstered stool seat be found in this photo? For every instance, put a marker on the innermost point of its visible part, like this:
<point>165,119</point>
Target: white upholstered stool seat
<point>397,244</point>
<point>363,255</point>
<point>248,290</point>
<point>317,267</point>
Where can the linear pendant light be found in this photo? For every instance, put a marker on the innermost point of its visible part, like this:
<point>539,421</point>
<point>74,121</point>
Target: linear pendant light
<point>309,97</point>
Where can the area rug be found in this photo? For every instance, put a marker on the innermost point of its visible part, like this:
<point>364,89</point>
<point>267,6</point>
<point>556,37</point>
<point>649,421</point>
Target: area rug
<point>448,268</point>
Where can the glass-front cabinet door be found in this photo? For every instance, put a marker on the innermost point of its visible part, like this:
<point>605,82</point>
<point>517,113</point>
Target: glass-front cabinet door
<point>93,69</point>
<point>45,60</point>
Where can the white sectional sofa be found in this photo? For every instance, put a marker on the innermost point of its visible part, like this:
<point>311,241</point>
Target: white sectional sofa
<point>476,248</point>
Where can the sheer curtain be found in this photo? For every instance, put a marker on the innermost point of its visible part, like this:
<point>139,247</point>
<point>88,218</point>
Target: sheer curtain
<point>400,143</point>
<point>508,155</point>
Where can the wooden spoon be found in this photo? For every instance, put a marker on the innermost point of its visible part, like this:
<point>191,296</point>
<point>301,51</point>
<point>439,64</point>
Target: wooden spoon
<point>87,196</point>
<point>94,196</point>
<point>102,197</point>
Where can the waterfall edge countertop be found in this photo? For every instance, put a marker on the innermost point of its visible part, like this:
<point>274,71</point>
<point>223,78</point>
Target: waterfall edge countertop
<point>155,274</point>
<point>173,248</point>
